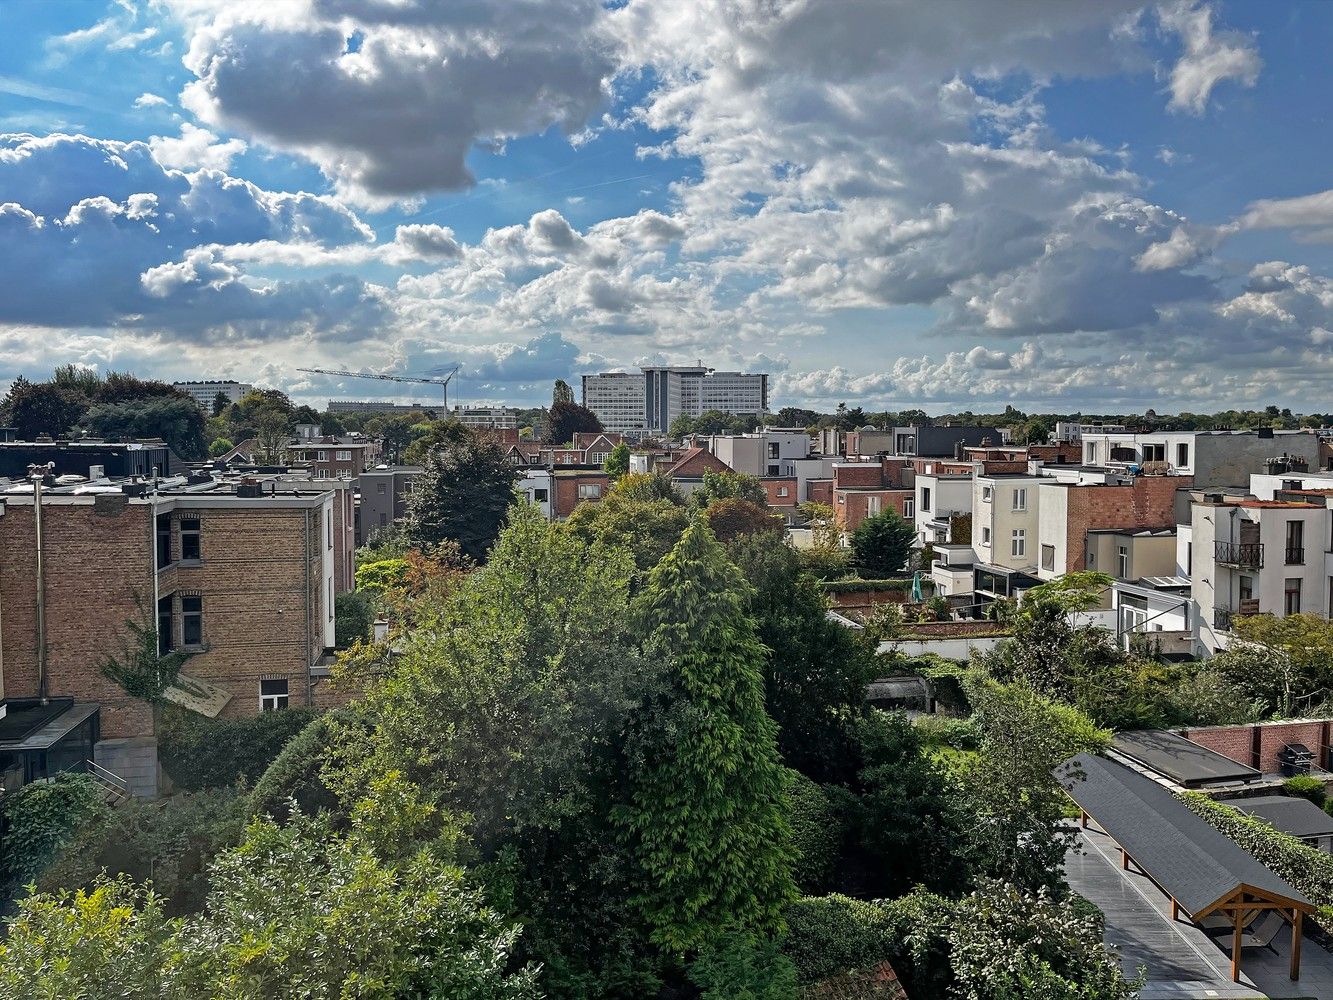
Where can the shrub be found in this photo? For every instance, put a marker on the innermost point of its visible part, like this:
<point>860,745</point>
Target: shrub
<point>1307,868</point>
<point>827,935</point>
<point>37,819</point>
<point>381,575</point>
<point>1305,787</point>
<point>353,618</point>
<point>294,774</point>
<point>816,833</point>
<point>169,842</point>
<point>945,731</point>
<point>198,752</point>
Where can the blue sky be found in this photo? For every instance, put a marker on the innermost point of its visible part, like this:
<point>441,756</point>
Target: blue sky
<point>1098,206</point>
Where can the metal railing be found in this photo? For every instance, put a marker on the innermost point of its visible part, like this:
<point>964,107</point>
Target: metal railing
<point>115,788</point>
<point>1222,619</point>
<point>1248,554</point>
<point>1295,555</point>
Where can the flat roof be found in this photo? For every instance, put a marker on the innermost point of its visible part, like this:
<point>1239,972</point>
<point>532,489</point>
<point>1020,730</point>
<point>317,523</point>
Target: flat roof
<point>1288,813</point>
<point>1190,860</point>
<point>1175,757</point>
<point>44,729</point>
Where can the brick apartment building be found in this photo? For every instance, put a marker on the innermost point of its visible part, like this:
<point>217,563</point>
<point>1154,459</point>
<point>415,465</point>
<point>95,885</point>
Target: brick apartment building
<point>331,457</point>
<point>245,577</point>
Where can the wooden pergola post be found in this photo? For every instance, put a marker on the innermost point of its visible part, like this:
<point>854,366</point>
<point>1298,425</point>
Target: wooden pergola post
<point>1083,818</point>
<point>1296,916</point>
<point>1124,860</point>
<point>1175,909</point>
<point>1235,945</point>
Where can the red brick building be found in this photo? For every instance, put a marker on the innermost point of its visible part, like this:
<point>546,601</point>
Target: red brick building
<point>243,578</point>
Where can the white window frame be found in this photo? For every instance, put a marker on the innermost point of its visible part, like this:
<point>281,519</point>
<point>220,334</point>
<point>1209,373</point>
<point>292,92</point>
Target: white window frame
<point>909,509</point>
<point>1018,543</point>
<point>1021,498</point>
<point>274,701</point>
<point>985,537</point>
<point>782,491</point>
<point>343,456</point>
<point>986,493</point>
<point>590,491</point>
<point>873,506</point>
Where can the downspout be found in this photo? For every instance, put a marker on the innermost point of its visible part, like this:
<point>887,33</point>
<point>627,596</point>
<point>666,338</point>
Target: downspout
<point>41,588</point>
<point>2,628</point>
<point>309,610</point>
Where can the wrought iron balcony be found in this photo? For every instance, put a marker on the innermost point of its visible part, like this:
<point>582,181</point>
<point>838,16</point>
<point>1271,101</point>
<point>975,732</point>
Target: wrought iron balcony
<point>1295,555</point>
<point>1248,555</point>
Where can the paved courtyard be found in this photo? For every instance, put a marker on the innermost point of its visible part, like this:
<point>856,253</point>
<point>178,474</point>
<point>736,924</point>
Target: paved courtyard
<point>1182,962</point>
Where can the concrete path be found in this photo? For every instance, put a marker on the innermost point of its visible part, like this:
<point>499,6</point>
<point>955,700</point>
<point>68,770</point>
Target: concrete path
<point>1182,962</point>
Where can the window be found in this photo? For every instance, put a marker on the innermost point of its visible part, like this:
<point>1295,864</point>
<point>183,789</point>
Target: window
<point>773,470</point>
<point>599,457</point>
<point>985,494</point>
<point>1295,543</point>
<point>343,456</point>
<point>772,449</point>
<point>381,488</point>
<point>1048,557</point>
<point>1090,454</point>
<point>590,491</point>
<point>1018,542</point>
<point>872,506</point>
<point>1293,596</point>
<point>925,499</point>
<point>384,520</point>
<point>1154,453</point>
<point>1182,455</point>
<point>1246,588</point>
<point>190,532</point>
<point>192,621</point>
<point>1021,499</point>
<point>1122,561</point>
<point>985,537</point>
<point>323,456</point>
<point>166,642</point>
<point>782,491</point>
<point>909,509</point>
<point>539,496</point>
<point>329,522</point>
<point>163,540</point>
<point>273,695</point>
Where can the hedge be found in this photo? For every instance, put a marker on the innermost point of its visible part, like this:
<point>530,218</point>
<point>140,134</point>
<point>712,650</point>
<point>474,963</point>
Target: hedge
<point>37,820</point>
<point>1310,870</point>
<point>816,833</point>
<point>828,935</point>
<point>868,586</point>
<point>198,752</point>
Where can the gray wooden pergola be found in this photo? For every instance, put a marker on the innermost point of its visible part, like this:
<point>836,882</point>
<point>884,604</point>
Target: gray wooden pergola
<point>1201,870</point>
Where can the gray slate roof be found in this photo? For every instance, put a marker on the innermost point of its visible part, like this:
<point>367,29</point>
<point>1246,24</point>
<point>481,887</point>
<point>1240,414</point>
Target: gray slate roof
<point>1186,856</point>
<point>1288,813</point>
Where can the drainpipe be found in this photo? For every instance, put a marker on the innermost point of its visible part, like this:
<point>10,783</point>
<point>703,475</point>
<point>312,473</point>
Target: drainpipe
<point>37,473</point>
<point>309,609</point>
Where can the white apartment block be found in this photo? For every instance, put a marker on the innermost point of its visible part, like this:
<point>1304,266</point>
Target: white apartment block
<point>1072,430</point>
<point>649,401</point>
<point>203,393</point>
<point>493,417</point>
<point>770,452</point>
<point>1213,458</point>
<point>1247,556</point>
<point>1005,520</point>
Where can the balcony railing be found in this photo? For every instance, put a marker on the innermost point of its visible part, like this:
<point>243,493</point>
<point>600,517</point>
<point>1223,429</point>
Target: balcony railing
<point>1222,619</point>
<point>1247,554</point>
<point>1295,555</point>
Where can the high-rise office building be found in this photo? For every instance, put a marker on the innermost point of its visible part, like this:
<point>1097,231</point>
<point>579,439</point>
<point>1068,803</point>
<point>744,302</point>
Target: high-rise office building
<point>649,401</point>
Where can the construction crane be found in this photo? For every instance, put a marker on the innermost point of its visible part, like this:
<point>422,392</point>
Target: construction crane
<point>443,383</point>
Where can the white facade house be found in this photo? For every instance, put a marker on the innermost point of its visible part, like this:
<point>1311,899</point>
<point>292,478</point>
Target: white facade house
<point>538,485</point>
<point>769,452</point>
<point>1157,610</point>
<point>650,400</point>
<point>1005,520</point>
<point>203,393</point>
<point>493,417</point>
<point>1250,556</point>
<point>939,497</point>
<point>1072,430</point>
<point>1213,458</point>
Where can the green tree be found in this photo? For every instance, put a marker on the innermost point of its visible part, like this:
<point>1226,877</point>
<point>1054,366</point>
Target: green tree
<point>431,435</point>
<point>220,447</point>
<point>1286,663</point>
<point>568,419</point>
<point>177,420</point>
<point>617,462</point>
<point>463,495</point>
<point>37,820</point>
<point>729,486</point>
<point>731,519</point>
<point>353,618</point>
<point>220,403</point>
<point>137,663</point>
<point>706,811</point>
<point>42,408</point>
<point>883,543</point>
<point>561,392</point>
<point>1020,805</point>
<point>396,433</point>
<point>647,528</point>
<point>815,671</point>
<point>649,486</point>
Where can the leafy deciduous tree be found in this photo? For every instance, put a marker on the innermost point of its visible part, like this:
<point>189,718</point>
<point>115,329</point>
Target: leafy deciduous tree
<point>463,496</point>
